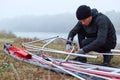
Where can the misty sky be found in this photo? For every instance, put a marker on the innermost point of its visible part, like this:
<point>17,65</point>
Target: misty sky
<point>15,8</point>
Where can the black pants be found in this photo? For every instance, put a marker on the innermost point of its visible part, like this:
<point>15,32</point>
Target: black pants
<point>104,49</point>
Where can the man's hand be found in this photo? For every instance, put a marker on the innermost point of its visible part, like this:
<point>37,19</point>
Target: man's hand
<point>68,48</point>
<point>81,51</point>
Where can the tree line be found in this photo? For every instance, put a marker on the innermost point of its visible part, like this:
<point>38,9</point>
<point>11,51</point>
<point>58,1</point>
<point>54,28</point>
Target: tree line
<point>50,23</point>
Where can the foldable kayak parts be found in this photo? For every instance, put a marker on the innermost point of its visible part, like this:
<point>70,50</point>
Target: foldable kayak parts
<point>79,70</point>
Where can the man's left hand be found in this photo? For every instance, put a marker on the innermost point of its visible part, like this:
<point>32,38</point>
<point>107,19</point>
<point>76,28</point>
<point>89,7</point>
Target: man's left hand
<point>81,51</point>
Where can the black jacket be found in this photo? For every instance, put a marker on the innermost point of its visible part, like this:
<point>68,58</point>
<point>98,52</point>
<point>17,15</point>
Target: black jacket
<point>100,28</point>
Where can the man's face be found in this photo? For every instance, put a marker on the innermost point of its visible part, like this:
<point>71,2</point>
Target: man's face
<point>86,21</point>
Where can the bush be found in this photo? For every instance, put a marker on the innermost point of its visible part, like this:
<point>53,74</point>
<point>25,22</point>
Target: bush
<point>5,34</point>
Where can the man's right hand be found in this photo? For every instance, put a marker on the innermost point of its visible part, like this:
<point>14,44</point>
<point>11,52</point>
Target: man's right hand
<point>68,48</point>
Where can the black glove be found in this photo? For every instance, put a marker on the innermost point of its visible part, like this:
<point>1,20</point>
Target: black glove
<point>81,51</point>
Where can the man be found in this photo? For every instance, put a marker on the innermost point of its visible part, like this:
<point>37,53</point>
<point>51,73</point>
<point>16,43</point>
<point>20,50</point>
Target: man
<point>95,33</point>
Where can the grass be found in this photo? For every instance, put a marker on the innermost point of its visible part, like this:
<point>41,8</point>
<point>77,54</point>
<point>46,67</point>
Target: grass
<point>12,69</point>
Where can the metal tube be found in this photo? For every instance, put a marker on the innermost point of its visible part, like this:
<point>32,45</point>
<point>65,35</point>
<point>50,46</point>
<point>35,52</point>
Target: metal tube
<point>51,63</point>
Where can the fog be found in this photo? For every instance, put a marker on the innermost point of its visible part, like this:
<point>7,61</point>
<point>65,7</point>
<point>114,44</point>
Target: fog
<point>50,15</point>
<point>15,8</point>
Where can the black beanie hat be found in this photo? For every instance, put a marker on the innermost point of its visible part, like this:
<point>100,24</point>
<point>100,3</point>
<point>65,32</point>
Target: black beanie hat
<point>83,12</point>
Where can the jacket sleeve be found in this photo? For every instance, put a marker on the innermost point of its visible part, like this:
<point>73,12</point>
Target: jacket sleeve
<point>102,23</point>
<point>73,32</point>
